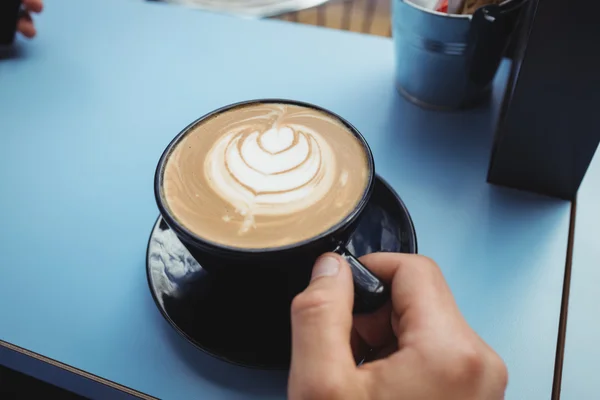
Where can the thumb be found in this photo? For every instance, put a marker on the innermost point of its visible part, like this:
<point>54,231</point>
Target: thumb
<point>321,326</point>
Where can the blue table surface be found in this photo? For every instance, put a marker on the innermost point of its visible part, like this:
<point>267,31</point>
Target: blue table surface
<point>85,112</point>
<point>582,347</point>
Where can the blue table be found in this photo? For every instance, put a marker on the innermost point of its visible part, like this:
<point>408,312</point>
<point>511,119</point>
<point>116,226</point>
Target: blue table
<point>582,346</point>
<point>86,110</point>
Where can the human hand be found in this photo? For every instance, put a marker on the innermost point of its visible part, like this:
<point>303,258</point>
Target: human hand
<point>25,24</point>
<point>423,347</point>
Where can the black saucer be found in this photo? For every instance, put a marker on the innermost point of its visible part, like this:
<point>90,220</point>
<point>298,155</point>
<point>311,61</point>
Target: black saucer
<point>246,321</point>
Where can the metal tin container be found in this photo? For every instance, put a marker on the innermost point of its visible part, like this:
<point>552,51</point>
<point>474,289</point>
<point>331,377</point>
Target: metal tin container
<point>447,61</point>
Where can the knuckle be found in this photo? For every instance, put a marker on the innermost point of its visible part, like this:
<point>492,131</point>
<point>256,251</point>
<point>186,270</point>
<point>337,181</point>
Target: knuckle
<point>425,259</point>
<point>466,367</point>
<point>469,366</point>
<point>499,369</point>
<point>422,266</point>
<point>430,263</point>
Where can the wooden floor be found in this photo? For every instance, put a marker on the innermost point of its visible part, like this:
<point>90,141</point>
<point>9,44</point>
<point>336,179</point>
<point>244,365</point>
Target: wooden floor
<point>364,16</point>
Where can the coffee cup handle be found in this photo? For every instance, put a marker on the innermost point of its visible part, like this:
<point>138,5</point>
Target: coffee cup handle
<point>369,292</point>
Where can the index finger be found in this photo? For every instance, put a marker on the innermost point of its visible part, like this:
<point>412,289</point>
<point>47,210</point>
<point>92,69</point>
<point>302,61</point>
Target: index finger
<point>420,297</point>
<point>375,329</point>
<point>385,265</point>
<point>423,304</point>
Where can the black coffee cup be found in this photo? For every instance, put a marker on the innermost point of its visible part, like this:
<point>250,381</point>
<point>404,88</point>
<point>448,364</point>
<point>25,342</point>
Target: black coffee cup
<point>294,262</point>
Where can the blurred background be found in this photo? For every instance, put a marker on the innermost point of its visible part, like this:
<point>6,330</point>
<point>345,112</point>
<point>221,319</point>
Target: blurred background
<point>363,16</point>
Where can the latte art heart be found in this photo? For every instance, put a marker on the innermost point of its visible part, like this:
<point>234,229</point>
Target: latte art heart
<point>280,171</point>
<point>265,175</point>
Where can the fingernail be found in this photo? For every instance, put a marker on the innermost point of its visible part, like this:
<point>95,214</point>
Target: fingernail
<point>325,266</point>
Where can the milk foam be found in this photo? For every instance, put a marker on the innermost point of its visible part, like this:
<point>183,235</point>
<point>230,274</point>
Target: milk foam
<point>265,175</point>
<point>278,171</point>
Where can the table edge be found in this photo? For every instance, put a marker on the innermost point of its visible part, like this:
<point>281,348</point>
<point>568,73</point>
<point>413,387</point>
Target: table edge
<point>563,321</point>
<point>69,369</point>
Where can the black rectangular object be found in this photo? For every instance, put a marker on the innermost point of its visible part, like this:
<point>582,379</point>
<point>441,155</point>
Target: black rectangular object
<point>9,14</point>
<point>549,126</point>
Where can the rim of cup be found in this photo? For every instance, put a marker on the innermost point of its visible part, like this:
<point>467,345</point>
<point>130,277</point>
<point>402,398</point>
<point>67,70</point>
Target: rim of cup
<point>180,227</point>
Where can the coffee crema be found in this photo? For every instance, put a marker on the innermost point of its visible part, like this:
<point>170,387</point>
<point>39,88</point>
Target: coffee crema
<point>265,175</point>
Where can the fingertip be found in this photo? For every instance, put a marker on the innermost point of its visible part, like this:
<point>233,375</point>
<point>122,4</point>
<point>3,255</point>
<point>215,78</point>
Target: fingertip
<point>332,255</point>
<point>326,265</point>
<point>334,265</point>
<point>35,6</point>
<point>26,28</point>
